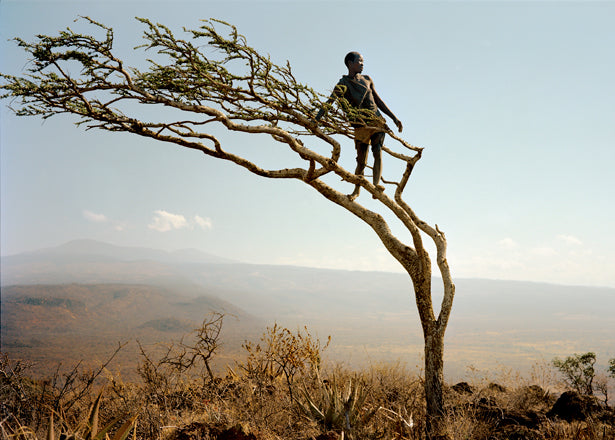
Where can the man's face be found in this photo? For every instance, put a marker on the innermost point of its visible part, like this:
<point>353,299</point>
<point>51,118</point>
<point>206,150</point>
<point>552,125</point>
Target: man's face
<point>356,66</point>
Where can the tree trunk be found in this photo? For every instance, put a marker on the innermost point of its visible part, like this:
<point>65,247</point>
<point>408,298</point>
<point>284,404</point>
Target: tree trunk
<point>229,99</point>
<point>435,427</point>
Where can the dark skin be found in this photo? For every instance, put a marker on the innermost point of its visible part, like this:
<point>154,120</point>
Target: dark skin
<point>356,67</point>
<point>354,63</point>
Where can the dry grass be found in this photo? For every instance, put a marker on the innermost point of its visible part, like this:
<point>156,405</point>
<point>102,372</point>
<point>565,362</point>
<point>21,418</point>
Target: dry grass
<point>268,397</point>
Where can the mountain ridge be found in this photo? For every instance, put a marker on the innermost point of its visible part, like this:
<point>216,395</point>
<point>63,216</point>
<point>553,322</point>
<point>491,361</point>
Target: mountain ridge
<point>370,314</point>
<point>124,253</point>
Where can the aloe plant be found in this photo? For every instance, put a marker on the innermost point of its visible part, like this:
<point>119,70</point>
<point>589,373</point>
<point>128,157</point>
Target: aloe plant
<point>88,428</point>
<point>338,407</point>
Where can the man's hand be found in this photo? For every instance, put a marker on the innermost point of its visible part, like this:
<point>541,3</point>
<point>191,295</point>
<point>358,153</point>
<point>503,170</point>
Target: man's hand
<point>400,127</point>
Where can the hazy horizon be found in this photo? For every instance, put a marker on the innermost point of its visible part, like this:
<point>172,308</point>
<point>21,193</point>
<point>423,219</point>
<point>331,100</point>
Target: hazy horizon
<point>224,260</point>
<point>371,315</point>
<point>511,101</point>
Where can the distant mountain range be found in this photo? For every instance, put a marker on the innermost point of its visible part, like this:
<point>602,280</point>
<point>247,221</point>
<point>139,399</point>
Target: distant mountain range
<point>371,315</point>
<point>97,250</point>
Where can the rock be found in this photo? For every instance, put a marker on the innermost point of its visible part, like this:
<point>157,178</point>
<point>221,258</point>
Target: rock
<point>496,387</point>
<point>463,388</point>
<point>204,431</point>
<point>193,431</point>
<point>528,419</point>
<point>237,432</point>
<point>573,406</point>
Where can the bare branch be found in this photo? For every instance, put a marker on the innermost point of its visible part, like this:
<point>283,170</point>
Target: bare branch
<point>228,84</point>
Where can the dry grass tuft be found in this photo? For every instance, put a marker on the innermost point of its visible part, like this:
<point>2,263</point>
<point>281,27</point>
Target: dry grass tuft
<point>282,391</point>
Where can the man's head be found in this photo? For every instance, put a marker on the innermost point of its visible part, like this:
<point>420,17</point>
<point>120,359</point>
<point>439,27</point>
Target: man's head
<point>354,62</point>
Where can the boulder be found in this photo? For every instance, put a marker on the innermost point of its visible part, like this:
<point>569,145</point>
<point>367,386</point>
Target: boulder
<point>573,406</point>
<point>204,431</point>
<point>463,388</point>
<point>236,433</point>
<point>495,387</point>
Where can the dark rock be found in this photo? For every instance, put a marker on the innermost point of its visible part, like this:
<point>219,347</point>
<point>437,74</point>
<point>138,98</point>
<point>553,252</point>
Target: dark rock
<point>204,431</point>
<point>193,431</point>
<point>463,388</point>
<point>236,433</point>
<point>496,387</point>
<point>528,419</point>
<point>573,406</point>
<point>487,401</point>
<point>536,394</point>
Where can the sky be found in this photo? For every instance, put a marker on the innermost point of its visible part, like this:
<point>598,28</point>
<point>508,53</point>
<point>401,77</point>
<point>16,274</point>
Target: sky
<point>514,103</point>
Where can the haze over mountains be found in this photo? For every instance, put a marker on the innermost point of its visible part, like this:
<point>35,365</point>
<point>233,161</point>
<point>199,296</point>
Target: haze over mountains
<point>99,292</point>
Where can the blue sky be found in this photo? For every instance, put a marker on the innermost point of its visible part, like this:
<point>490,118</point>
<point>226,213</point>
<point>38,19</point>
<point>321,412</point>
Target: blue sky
<point>514,103</point>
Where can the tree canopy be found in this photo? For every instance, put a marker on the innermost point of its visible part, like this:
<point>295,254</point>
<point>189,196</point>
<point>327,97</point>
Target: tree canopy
<point>213,79</point>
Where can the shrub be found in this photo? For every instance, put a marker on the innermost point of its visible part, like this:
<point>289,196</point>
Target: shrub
<point>578,371</point>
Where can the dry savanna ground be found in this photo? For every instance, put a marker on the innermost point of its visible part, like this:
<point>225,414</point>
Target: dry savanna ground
<point>281,388</point>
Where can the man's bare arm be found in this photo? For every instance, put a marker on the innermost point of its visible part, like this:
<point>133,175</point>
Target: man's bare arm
<point>382,106</point>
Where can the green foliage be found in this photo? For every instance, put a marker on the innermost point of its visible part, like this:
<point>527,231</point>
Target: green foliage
<point>225,73</point>
<point>611,368</point>
<point>214,78</point>
<point>578,371</point>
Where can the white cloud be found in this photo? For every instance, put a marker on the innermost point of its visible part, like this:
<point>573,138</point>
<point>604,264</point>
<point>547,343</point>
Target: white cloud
<point>507,243</point>
<point>164,221</point>
<point>569,239</point>
<point>93,217</point>
<point>204,223</point>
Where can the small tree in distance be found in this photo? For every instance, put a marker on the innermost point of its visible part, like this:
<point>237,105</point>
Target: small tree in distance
<point>611,368</point>
<point>578,371</point>
<point>230,84</point>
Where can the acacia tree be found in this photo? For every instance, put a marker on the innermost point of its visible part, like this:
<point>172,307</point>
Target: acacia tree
<point>578,371</point>
<point>227,83</point>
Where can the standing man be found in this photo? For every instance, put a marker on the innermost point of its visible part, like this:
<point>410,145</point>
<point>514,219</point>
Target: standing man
<point>362,104</point>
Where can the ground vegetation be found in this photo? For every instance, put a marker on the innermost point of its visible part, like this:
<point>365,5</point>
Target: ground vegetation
<point>275,392</point>
<point>211,80</point>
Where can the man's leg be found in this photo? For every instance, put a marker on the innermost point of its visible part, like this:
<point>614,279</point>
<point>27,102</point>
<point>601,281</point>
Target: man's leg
<point>362,149</point>
<point>377,141</point>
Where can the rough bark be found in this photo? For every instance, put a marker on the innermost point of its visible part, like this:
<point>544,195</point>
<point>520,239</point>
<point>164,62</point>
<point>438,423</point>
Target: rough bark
<point>434,382</point>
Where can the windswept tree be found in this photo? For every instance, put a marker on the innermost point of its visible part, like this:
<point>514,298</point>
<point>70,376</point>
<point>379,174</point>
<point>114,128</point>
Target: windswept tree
<point>225,83</point>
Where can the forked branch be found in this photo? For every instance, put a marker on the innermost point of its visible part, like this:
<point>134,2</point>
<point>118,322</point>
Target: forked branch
<point>226,83</point>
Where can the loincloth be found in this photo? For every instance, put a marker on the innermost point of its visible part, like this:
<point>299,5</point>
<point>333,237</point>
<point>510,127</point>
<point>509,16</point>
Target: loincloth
<point>364,133</point>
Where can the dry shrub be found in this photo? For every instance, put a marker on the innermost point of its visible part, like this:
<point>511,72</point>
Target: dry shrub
<point>588,430</point>
<point>265,396</point>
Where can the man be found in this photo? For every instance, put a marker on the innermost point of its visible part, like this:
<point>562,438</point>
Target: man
<point>362,104</point>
